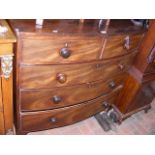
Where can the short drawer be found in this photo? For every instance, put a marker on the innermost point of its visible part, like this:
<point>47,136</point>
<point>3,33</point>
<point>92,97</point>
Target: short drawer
<point>60,49</point>
<point>50,76</point>
<point>32,121</point>
<point>121,45</point>
<point>33,100</point>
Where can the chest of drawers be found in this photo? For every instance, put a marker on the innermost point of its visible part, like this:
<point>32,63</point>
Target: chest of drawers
<point>67,70</point>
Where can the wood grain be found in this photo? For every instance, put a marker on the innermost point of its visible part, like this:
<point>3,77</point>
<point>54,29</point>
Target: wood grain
<point>125,98</point>
<point>32,121</point>
<point>140,81</point>
<point>6,97</point>
<point>2,127</point>
<point>8,103</point>
<point>47,51</point>
<point>42,72</point>
<point>32,100</point>
<point>115,45</point>
<point>46,76</point>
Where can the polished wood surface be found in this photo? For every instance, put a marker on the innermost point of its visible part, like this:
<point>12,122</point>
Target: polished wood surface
<point>9,37</point>
<point>32,100</point>
<point>145,49</point>
<point>6,97</point>
<point>40,76</point>
<point>47,51</point>
<point>32,121</point>
<point>6,49</point>
<point>8,102</point>
<point>140,80</point>
<point>125,97</point>
<point>63,67</point>
<point>116,45</point>
<point>144,96</point>
<point>2,127</point>
<point>73,27</point>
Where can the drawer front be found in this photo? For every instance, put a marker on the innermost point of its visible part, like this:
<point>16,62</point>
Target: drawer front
<point>32,121</point>
<point>121,45</point>
<point>33,100</point>
<point>60,49</point>
<point>64,75</point>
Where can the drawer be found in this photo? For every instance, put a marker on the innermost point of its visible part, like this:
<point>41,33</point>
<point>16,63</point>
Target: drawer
<point>49,76</point>
<point>121,45</point>
<point>33,100</point>
<point>60,49</point>
<point>32,121</point>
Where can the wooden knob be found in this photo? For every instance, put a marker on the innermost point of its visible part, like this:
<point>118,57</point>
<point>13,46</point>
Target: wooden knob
<point>62,78</point>
<point>56,99</point>
<point>112,84</point>
<point>65,52</point>
<point>53,119</point>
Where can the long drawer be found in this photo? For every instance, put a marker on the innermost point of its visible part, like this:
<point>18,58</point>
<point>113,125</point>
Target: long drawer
<point>50,76</point>
<point>121,45</point>
<point>32,121</point>
<point>32,100</point>
<point>60,49</point>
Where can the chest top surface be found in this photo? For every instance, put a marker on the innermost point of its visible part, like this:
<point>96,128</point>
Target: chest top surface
<point>74,27</point>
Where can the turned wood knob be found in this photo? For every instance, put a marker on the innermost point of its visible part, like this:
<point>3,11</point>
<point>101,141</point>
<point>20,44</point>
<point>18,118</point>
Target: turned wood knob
<point>62,78</point>
<point>112,84</point>
<point>127,43</point>
<point>56,99</point>
<point>65,52</point>
<point>53,120</point>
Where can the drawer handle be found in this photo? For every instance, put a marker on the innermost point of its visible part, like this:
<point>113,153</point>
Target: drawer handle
<point>62,78</point>
<point>121,66</point>
<point>127,43</point>
<point>65,52</point>
<point>56,99</point>
<point>53,120</point>
<point>112,84</point>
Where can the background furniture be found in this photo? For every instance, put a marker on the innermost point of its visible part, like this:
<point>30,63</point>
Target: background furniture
<point>139,88</point>
<point>68,70</point>
<point>6,57</point>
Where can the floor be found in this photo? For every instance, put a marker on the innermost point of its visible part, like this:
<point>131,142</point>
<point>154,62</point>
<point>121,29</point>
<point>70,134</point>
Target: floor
<point>138,124</point>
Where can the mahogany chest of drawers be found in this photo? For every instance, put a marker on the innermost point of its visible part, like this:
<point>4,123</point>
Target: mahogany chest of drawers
<point>67,70</point>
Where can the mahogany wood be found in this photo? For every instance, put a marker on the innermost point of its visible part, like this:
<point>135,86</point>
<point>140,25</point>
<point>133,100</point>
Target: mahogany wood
<point>72,62</point>
<point>115,45</point>
<point>32,121</point>
<point>47,51</point>
<point>140,81</point>
<point>40,76</point>
<point>32,100</point>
